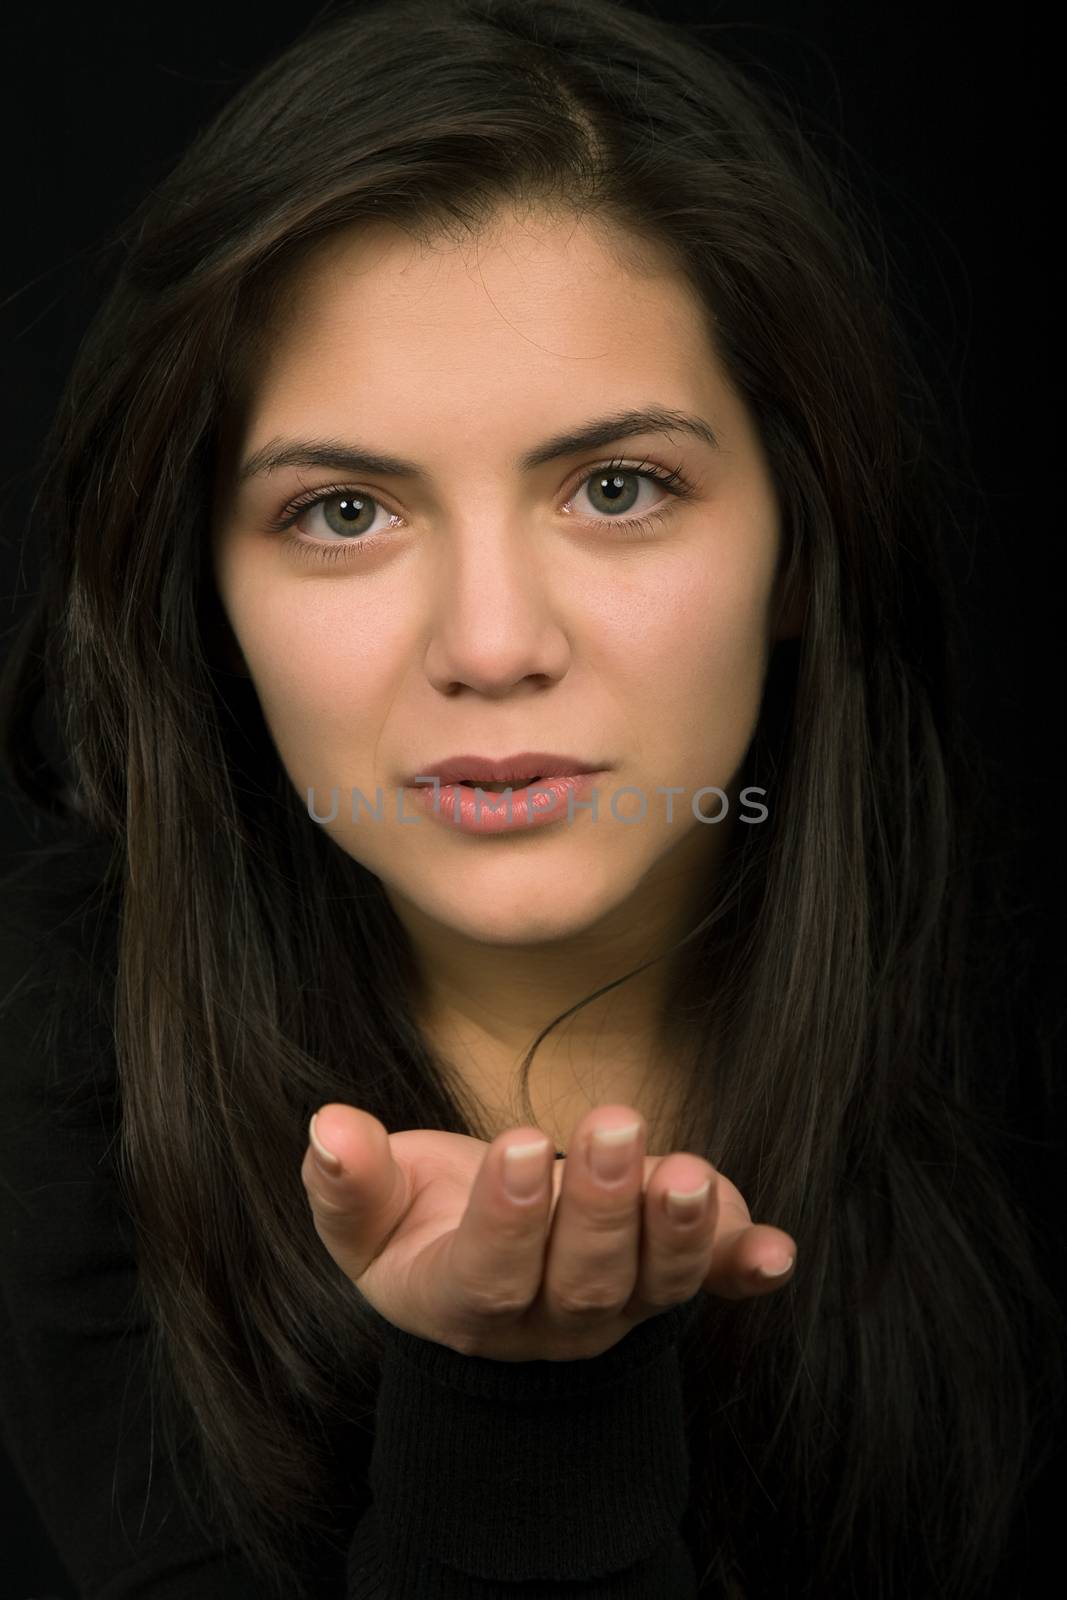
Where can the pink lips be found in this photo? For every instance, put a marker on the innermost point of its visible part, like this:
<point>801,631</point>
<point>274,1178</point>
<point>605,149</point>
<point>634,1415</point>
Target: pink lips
<point>506,769</point>
<point>470,809</point>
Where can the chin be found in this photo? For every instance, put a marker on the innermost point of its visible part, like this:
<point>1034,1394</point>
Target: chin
<point>516,915</point>
<point>517,925</point>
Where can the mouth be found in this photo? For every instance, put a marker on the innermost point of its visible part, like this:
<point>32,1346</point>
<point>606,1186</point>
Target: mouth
<point>497,774</point>
<point>488,806</point>
<point>498,788</point>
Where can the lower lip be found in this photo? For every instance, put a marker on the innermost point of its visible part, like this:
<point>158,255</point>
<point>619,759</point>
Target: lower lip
<point>547,801</point>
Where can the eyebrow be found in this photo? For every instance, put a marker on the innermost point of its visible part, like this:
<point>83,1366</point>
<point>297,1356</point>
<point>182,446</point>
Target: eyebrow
<point>349,457</point>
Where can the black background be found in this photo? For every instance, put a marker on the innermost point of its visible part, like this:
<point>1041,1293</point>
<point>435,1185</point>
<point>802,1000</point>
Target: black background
<point>950,114</point>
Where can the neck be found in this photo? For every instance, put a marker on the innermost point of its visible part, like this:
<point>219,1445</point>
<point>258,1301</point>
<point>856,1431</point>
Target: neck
<point>622,1047</point>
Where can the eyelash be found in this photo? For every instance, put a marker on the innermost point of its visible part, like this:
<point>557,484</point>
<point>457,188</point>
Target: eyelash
<point>673,481</point>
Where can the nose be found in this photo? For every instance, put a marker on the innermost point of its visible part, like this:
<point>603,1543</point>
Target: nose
<point>496,618</point>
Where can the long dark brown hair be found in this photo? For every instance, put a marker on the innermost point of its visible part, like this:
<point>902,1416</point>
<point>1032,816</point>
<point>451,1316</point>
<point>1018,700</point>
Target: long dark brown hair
<point>873,1429</point>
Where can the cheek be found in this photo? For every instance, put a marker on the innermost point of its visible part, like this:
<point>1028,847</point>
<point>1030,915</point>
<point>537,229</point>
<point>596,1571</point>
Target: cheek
<point>700,633</point>
<point>693,666</point>
<point>316,670</point>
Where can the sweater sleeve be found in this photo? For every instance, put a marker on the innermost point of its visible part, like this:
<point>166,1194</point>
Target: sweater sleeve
<point>533,1478</point>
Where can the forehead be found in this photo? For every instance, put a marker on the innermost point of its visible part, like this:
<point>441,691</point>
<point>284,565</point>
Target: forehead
<point>524,253</point>
<point>531,300</point>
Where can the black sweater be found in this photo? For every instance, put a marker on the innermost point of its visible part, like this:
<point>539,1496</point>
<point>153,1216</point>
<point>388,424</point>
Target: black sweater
<point>481,1478</point>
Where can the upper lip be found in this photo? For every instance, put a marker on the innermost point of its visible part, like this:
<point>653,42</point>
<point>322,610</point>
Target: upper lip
<point>505,769</point>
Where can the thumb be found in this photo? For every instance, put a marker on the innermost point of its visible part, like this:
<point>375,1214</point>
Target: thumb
<point>358,1191</point>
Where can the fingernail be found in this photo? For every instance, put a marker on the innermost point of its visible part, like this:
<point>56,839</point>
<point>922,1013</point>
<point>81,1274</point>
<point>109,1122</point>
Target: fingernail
<point>524,1169</point>
<point>775,1266</point>
<point>328,1162</point>
<point>611,1150</point>
<point>687,1207</point>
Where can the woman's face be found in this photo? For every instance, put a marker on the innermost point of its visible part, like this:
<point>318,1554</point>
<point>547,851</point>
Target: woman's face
<point>499,607</point>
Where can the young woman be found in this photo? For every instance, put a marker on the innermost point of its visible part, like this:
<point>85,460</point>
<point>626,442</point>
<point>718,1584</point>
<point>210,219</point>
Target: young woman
<point>503,397</point>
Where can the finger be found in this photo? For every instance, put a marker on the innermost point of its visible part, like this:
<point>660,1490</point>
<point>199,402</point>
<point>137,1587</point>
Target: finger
<point>741,1248</point>
<point>357,1208</point>
<point>747,1255</point>
<point>495,1257</point>
<point>736,1259</point>
<point>757,1259</point>
<point>594,1248</point>
<point>681,1211</point>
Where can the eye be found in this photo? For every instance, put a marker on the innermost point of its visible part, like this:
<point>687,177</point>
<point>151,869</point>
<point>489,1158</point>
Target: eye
<point>611,487</point>
<point>350,512</point>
